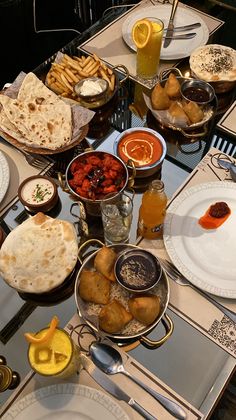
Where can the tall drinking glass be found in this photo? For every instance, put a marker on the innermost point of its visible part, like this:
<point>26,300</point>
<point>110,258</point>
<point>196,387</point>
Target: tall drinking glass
<point>148,57</point>
<point>117,218</point>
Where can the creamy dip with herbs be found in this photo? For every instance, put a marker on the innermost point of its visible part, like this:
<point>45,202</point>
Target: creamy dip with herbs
<point>37,191</point>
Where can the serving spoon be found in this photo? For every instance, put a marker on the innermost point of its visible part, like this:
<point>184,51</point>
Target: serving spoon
<point>109,360</point>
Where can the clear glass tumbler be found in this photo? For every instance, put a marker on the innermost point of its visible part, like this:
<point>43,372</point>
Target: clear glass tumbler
<point>117,216</point>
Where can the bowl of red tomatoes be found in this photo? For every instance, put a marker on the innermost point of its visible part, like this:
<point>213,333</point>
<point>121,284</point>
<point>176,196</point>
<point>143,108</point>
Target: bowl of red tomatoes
<point>95,176</point>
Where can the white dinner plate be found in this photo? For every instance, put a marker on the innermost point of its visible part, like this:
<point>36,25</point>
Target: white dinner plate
<point>206,257</point>
<point>177,48</point>
<point>4,176</point>
<point>66,401</point>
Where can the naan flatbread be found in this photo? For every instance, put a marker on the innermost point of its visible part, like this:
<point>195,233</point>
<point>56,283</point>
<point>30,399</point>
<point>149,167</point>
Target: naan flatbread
<point>37,117</point>
<point>39,254</point>
<point>41,125</point>
<point>33,90</point>
<point>7,127</point>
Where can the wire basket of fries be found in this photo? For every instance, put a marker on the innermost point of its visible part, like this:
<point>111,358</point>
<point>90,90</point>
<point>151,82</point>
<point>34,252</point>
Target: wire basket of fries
<point>66,72</point>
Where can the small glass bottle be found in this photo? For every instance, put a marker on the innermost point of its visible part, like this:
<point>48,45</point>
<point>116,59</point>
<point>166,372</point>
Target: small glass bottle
<point>152,211</point>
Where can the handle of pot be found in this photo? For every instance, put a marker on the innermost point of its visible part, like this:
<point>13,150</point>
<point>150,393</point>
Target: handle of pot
<point>85,244</point>
<point>130,162</point>
<point>169,327</point>
<point>62,182</point>
<point>163,74</point>
<point>194,135</point>
<point>126,71</point>
<point>82,216</point>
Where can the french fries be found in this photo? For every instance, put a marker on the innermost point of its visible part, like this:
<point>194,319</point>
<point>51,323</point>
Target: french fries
<point>62,76</point>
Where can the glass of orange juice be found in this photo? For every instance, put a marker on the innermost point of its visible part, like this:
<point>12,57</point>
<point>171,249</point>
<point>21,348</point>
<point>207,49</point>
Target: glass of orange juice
<point>57,356</point>
<point>147,35</point>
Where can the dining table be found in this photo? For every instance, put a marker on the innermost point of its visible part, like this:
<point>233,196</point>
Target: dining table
<point>190,356</point>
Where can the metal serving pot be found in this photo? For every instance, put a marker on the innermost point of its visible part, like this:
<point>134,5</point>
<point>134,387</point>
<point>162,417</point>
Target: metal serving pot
<point>146,170</point>
<point>92,207</point>
<point>189,131</point>
<point>124,339</point>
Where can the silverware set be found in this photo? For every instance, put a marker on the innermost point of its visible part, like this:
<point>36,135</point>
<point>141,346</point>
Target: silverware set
<point>107,360</point>
<point>175,35</point>
<point>178,277</point>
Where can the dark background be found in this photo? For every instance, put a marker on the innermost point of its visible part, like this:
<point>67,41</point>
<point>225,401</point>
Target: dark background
<point>23,49</point>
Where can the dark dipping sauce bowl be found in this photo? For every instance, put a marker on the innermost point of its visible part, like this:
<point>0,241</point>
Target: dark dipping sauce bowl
<point>137,270</point>
<point>197,91</point>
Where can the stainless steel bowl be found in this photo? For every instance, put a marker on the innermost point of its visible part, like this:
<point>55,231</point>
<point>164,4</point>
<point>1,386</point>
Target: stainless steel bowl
<point>137,270</point>
<point>148,169</point>
<point>135,334</point>
<point>197,91</point>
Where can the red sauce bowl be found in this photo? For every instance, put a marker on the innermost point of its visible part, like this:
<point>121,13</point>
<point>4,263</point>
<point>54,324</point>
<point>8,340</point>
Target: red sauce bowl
<point>144,147</point>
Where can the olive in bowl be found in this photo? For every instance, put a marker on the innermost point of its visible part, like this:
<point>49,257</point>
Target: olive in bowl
<point>137,270</point>
<point>38,193</point>
<point>197,91</point>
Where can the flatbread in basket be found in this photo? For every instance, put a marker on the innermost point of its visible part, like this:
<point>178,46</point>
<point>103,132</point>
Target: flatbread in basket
<point>37,118</point>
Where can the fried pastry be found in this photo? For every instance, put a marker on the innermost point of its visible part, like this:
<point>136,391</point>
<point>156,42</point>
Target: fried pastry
<point>145,308</point>
<point>93,287</point>
<point>177,116</point>
<point>113,317</point>
<point>159,98</point>
<point>172,87</point>
<point>193,111</point>
<point>104,262</point>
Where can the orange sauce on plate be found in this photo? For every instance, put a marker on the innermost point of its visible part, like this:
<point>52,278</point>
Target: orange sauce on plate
<point>209,222</point>
<point>142,147</point>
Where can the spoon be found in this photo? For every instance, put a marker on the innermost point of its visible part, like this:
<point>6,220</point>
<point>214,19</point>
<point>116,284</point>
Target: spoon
<point>109,360</point>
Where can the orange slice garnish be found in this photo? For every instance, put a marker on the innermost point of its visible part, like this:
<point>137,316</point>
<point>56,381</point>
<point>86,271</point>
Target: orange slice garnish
<point>31,338</point>
<point>141,32</point>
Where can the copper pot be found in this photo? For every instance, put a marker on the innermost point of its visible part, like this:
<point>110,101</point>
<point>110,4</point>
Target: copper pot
<point>92,207</point>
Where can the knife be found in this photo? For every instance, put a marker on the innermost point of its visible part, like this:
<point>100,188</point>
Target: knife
<point>189,35</point>
<point>186,27</point>
<point>113,389</point>
<point>170,28</point>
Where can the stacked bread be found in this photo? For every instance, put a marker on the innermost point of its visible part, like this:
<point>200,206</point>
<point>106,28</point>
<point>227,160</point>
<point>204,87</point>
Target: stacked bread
<point>37,117</point>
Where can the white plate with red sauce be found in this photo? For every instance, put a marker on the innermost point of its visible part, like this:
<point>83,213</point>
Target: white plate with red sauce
<point>206,257</point>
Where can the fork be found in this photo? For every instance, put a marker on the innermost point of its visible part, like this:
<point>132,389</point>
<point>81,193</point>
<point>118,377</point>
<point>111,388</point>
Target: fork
<point>179,278</point>
<point>35,160</point>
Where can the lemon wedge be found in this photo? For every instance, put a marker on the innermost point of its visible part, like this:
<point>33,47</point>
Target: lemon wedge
<point>141,32</point>
<point>31,338</point>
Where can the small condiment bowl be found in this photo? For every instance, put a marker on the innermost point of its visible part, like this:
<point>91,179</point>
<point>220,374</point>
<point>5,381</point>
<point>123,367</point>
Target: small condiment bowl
<point>137,270</point>
<point>38,193</point>
<point>91,83</point>
<point>197,91</point>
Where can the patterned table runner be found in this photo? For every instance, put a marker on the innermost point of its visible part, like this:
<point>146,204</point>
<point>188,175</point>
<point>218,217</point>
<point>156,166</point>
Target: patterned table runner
<point>185,301</point>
